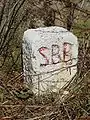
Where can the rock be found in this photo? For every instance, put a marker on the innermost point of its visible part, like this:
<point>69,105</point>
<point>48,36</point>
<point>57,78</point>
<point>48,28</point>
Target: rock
<point>49,58</point>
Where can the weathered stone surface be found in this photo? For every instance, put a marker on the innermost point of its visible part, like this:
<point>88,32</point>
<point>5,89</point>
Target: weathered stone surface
<point>49,57</point>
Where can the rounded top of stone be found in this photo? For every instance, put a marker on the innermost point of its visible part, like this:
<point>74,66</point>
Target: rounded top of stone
<point>55,29</point>
<point>60,31</point>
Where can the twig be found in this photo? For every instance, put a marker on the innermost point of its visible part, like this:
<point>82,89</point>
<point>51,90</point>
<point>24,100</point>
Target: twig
<point>42,116</point>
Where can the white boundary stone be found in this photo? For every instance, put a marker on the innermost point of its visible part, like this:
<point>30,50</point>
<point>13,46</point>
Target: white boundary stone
<point>49,58</point>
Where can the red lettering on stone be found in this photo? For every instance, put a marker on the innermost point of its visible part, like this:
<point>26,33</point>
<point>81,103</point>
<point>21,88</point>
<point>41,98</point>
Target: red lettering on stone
<point>41,51</point>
